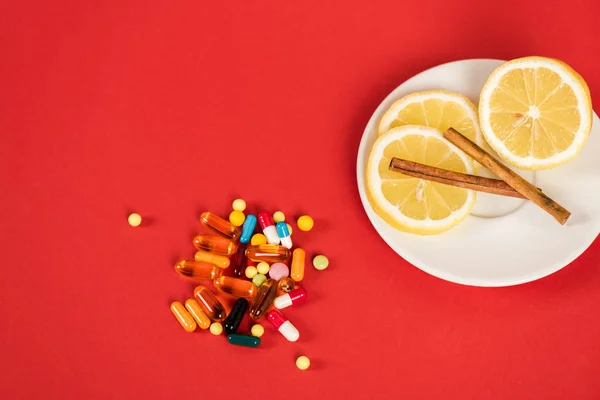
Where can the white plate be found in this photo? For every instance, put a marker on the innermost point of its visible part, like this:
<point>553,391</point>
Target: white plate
<point>521,246</point>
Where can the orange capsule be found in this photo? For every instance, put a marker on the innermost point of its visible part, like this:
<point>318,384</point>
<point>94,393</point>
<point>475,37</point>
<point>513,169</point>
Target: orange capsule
<point>267,252</point>
<point>263,300</point>
<point>214,259</point>
<point>215,244</point>
<point>209,303</point>
<point>196,312</point>
<point>297,272</point>
<point>198,271</point>
<point>235,286</point>
<point>221,226</point>
<point>286,285</point>
<point>184,317</point>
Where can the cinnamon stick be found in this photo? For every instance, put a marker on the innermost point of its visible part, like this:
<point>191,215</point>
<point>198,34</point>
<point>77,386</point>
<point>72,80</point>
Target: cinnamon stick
<point>473,182</point>
<point>507,175</point>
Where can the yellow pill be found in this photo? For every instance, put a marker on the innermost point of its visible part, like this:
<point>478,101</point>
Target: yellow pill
<point>305,223</point>
<point>239,205</point>
<point>320,262</point>
<point>263,268</point>
<point>257,239</point>
<point>278,216</point>
<point>216,328</point>
<point>289,228</point>
<point>303,363</point>
<point>257,330</point>
<point>251,272</point>
<point>183,317</point>
<point>237,218</point>
<point>134,219</point>
<point>196,311</point>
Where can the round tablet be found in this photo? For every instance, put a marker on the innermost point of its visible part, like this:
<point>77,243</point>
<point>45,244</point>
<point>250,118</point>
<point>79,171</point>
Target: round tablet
<point>134,219</point>
<point>303,363</point>
<point>257,330</point>
<point>279,271</point>
<point>320,262</point>
<point>239,205</point>
<point>216,328</point>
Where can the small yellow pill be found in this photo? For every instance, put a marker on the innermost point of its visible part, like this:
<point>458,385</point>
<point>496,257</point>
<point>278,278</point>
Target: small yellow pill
<point>259,279</point>
<point>257,239</point>
<point>237,218</point>
<point>239,205</point>
<point>257,330</point>
<point>278,216</point>
<point>320,262</point>
<point>303,363</point>
<point>289,228</point>
<point>305,223</point>
<point>134,219</point>
<point>251,272</point>
<point>216,328</point>
<point>263,268</point>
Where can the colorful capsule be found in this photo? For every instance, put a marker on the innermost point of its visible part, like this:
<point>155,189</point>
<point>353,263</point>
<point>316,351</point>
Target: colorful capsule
<point>286,285</point>
<point>268,253</point>
<point>209,303</point>
<point>196,311</point>
<point>268,227</point>
<point>243,340</point>
<point>233,320</point>
<point>264,299</point>
<point>292,298</point>
<point>198,271</point>
<point>298,264</point>
<point>284,235</point>
<point>184,317</point>
<point>235,286</point>
<point>220,226</point>
<point>216,260</point>
<point>248,228</point>
<point>239,261</point>
<point>283,325</point>
<point>215,244</point>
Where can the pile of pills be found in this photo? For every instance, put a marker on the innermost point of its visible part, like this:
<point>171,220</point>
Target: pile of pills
<point>261,270</point>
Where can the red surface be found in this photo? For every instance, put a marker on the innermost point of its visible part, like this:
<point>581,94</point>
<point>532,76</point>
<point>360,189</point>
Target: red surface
<point>170,109</point>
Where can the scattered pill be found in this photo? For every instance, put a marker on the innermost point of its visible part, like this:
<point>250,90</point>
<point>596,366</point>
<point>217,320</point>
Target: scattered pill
<point>263,268</point>
<point>294,297</point>
<point>233,320</point>
<point>268,227</point>
<point>239,261</point>
<point>264,299</point>
<point>289,228</point>
<point>268,253</point>
<point>197,271</point>
<point>237,218</point>
<point>243,340</point>
<point>183,317</point>
<point>284,235</point>
<point>217,224</point>
<point>214,259</point>
<point>209,303</point>
<point>259,279</point>
<point>238,205</point>
<point>215,244</point>
<point>298,258</point>
<point>302,363</point>
<point>279,271</point>
<point>257,330</point>
<point>235,287</point>
<point>216,328</point>
<point>283,325</point>
<point>320,262</point>
<point>286,285</point>
<point>258,239</point>
<point>305,223</point>
<point>248,228</point>
<point>196,312</point>
<point>134,219</point>
<point>251,272</point>
<point>278,217</point>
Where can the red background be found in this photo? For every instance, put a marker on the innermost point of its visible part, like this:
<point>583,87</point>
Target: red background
<point>171,109</point>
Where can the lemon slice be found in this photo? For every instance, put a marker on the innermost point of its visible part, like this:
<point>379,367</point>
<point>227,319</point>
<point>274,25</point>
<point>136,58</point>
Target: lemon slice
<point>411,204</point>
<point>439,109</point>
<point>535,112</point>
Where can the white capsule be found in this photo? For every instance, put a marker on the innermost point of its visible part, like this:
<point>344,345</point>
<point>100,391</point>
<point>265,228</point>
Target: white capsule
<point>289,331</point>
<point>270,233</point>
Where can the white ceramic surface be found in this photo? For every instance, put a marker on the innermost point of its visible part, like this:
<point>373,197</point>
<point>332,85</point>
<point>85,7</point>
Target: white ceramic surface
<point>521,246</point>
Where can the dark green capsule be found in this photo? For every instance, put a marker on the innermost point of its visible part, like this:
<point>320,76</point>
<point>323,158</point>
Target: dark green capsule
<point>243,340</point>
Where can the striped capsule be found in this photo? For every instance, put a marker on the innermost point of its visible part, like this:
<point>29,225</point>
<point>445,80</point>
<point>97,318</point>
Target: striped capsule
<point>209,303</point>
<point>297,270</point>
<point>248,229</point>
<point>243,340</point>
<point>268,227</point>
<point>183,317</point>
<point>264,299</point>
<point>214,259</point>
<point>220,226</point>
<point>197,271</point>
<point>196,312</point>
<point>235,286</point>
<point>283,325</point>
<point>294,297</point>
<point>284,235</point>
<point>269,253</point>
<point>233,320</point>
<point>215,244</point>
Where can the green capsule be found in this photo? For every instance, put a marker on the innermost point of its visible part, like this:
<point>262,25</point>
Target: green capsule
<point>243,340</point>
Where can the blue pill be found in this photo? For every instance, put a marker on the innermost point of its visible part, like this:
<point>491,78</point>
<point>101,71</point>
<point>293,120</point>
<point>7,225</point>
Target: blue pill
<point>248,228</point>
<point>284,234</point>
